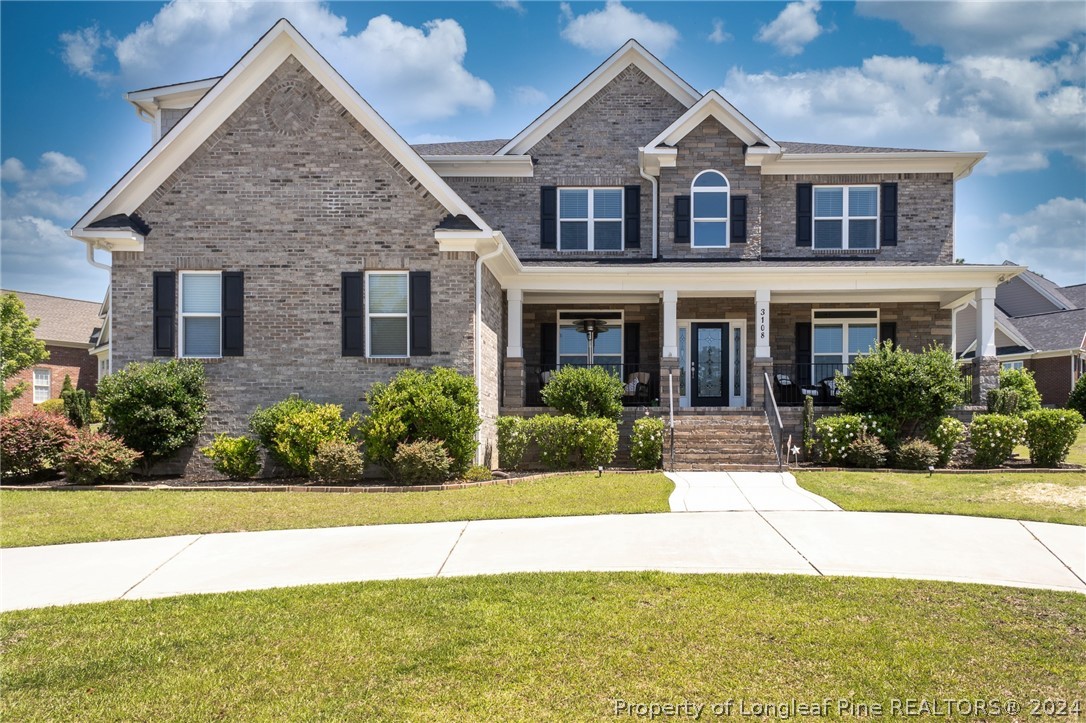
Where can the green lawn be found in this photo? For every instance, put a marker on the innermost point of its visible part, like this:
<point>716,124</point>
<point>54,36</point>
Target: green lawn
<point>42,517</point>
<point>1022,496</point>
<point>1077,455</point>
<point>538,647</point>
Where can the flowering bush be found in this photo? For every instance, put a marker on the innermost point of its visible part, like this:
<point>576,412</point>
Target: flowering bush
<point>514,435</point>
<point>916,454</point>
<point>235,457</point>
<point>836,433</point>
<point>867,451</point>
<point>95,457</point>
<point>557,438</point>
<point>994,437</point>
<point>945,436</point>
<point>598,441</point>
<point>1050,434</point>
<point>33,443</point>
<point>647,443</point>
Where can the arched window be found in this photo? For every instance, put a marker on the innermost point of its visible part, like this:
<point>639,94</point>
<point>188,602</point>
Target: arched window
<point>709,216</point>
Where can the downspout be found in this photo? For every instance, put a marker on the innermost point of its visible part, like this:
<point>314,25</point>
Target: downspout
<point>479,342</point>
<point>655,215</point>
<point>108,268</point>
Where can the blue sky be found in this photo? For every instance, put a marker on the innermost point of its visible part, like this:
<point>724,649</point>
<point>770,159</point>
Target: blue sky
<point>1005,77</point>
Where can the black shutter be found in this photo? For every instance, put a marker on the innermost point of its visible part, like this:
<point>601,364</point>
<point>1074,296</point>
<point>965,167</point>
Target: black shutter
<point>633,217</point>
<point>804,221</point>
<point>682,219</point>
<point>233,313</point>
<point>548,217</point>
<point>631,353</point>
<point>164,300</point>
<point>739,219</point>
<point>420,313</point>
<point>888,331</point>
<point>548,346</point>
<point>351,312</point>
<point>889,214</point>
<point>803,358</point>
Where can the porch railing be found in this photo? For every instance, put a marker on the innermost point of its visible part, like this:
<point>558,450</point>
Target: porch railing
<point>641,382</point>
<point>792,382</point>
<point>773,415</point>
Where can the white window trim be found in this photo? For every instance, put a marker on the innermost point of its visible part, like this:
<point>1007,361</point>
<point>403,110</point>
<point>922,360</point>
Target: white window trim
<point>48,384</point>
<point>590,220</point>
<point>406,316</point>
<point>622,332</point>
<point>694,219</point>
<point>845,218</point>
<point>1014,364</point>
<point>844,322</point>
<point>182,315</point>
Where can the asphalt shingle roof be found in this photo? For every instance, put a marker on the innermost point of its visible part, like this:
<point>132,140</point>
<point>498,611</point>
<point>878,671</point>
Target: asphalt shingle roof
<point>123,221</point>
<point>69,321</point>
<point>1054,331</point>
<point>801,148</point>
<point>461,148</point>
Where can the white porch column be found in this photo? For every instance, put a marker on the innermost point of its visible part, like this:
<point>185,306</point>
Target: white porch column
<point>515,324</point>
<point>986,343</point>
<point>671,324</point>
<point>761,324</point>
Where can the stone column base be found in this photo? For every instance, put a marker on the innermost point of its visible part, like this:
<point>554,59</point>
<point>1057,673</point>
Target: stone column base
<point>760,366</point>
<point>513,382</point>
<point>985,378</point>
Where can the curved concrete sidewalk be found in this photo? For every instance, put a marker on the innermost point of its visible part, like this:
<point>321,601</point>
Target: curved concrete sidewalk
<point>936,547</point>
<point>741,492</point>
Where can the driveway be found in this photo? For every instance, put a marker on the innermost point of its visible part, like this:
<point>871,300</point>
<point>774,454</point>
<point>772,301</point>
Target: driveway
<point>741,491</point>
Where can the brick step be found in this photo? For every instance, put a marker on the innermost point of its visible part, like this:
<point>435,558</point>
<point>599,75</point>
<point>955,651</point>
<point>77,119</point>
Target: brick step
<point>762,466</point>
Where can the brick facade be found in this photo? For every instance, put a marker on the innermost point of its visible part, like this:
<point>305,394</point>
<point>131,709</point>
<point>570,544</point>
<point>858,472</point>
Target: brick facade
<point>1054,377</point>
<point>63,361</point>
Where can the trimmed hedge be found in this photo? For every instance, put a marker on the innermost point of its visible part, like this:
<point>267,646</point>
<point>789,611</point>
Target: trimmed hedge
<point>1050,434</point>
<point>994,437</point>
<point>235,457</point>
<point>647,443</point>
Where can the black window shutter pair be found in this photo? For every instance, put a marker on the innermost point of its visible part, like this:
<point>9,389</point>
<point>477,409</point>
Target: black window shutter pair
<point>164,305</point>
<point>548,217</point>
<point>353,316</point>
<point>737,219</point>
<point>805,210</point>
<point>888,225</point>
<point>631,354</point>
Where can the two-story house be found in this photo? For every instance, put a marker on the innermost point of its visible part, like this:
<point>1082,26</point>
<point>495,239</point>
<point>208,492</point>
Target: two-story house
<point>282,231</point>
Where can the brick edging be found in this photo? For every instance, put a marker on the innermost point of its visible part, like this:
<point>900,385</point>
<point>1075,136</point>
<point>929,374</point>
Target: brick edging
<point>995,470</point>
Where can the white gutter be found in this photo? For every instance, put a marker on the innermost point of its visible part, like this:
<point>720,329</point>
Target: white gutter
<point>479,341</point>
<point>655,215</point>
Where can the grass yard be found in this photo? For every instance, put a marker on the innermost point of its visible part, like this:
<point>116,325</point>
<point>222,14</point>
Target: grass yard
<point>1021,496</point>
<point>1077,455</point>
<point>41,517</point>
<point>539,647</point>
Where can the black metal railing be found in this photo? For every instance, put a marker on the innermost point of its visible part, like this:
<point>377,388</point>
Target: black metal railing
<point>641,381</point>
<point>773,416</point>
<point>792,382</point>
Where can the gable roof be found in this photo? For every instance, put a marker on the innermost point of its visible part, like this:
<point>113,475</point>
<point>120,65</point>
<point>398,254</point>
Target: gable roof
<point>714,105</point>
<point>1076,294</point>
<point>66,321</point>
<point>279,43</point>
<point>631,53</point>
<point>1055,331</point>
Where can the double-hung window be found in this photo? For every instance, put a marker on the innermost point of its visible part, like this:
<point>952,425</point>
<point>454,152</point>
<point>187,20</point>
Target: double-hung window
<point>387,319</point>
<point>590,219</point>
<point>43,383</point>
<point>709,197</point>
<point>840,337</point>
<point>846,217</point>
<point>201,314</point>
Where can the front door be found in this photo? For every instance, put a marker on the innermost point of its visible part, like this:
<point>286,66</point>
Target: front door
<point>709,365</point>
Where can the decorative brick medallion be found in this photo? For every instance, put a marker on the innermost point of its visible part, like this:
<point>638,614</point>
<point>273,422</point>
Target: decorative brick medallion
<point>291,109</point>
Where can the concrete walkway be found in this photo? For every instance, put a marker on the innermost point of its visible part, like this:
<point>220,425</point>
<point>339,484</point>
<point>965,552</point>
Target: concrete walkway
<point>741,491</point>
<point>936,547</point>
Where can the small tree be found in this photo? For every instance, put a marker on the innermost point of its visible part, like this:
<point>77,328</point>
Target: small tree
<point>156,408</point>
<point>1077,400</point>
<point>20,349</point>
<point>912,390</point>
<point>76,403</point>
<point>1021,381</point>
<point>585,392</point>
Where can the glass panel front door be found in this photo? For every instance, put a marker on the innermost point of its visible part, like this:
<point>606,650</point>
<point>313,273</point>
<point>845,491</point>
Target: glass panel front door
<point>709,365</point>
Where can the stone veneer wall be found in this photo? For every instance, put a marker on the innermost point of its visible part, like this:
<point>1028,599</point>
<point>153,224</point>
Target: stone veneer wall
<point>596,146</point>
<point>293,199</point>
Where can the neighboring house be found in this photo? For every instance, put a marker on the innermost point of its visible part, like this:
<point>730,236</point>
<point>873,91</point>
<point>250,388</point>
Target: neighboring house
<point>69,328</point>
<point>1040,326</point>
<point>282,231</point>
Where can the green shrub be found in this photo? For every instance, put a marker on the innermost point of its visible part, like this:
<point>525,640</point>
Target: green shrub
<point>157,407</point>
<point>96,416</point>
<point>836,433</point>
<point>916,454</point>
<point>994,436</point>
<point>423,462</point>
<point>235,457</point>
<point>52,406</point>
<point>1077,400</point>
<point>297,436</point>
<point>76,403</point>
<point>21,347</point>
<point>598,441</point>
<point>478,473</point>
<point>263,421</point>
<point>1050,434</point>
<point>909,389</point>
<point>32,444</point>
<point>338,461</point>
<point>1003,401</point>
<point>945,436</point>
<point>514,436</point>
<point>556,438</point>
<point>416,406</point>
<point>647,443</point>
<point>867,451</point>
<point>1021,381</point>
<point>96,458</point>
<point>585,392</point>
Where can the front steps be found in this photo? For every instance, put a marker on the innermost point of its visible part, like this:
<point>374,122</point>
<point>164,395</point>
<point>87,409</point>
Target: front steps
<point>722,440</point>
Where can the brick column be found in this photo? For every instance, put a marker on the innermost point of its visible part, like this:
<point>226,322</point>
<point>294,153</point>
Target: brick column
<point>669,364</point>
<point>513,370</point>
<point>513,382</point>
<point>759,368</point>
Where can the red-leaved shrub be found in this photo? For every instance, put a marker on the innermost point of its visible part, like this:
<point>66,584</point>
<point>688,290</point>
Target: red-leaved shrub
<point>31,444</point>
<point>95,457</point>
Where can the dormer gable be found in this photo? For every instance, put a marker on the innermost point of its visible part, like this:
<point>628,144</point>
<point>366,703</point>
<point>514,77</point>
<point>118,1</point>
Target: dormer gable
<point>163,106</point>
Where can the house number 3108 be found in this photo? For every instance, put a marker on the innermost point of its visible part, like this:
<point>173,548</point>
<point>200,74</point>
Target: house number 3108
<point>761,324</point>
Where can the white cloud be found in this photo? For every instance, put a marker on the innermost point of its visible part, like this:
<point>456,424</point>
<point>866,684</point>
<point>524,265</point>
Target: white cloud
<point>796,26</point>
<point>37,254</point>
<point>1019,110</point>
<point>54,169</point>
<point>972,27</point>
<point>1048,238</point>
<point>527,95</point>
<point>604,31</point>
<point>719,35</point>
<point>514,5</point>
<point>408,73</point>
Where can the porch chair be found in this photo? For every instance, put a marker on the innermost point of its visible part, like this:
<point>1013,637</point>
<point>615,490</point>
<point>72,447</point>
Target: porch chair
<point>787,393</point>
<point>637,387</point>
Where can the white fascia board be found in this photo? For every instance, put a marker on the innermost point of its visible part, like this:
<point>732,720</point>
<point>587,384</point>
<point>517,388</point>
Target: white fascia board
<point>714,105</point>
<point>179,95</point>
<point>653,159</point>
<point>959,164</point>
<point>630,53</point>
<point>229,93</point>
<point>117,239</point>
<point>481,166</point>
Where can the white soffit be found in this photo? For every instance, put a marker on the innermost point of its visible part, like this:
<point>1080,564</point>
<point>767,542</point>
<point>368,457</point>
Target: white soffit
<point>960,164</point>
